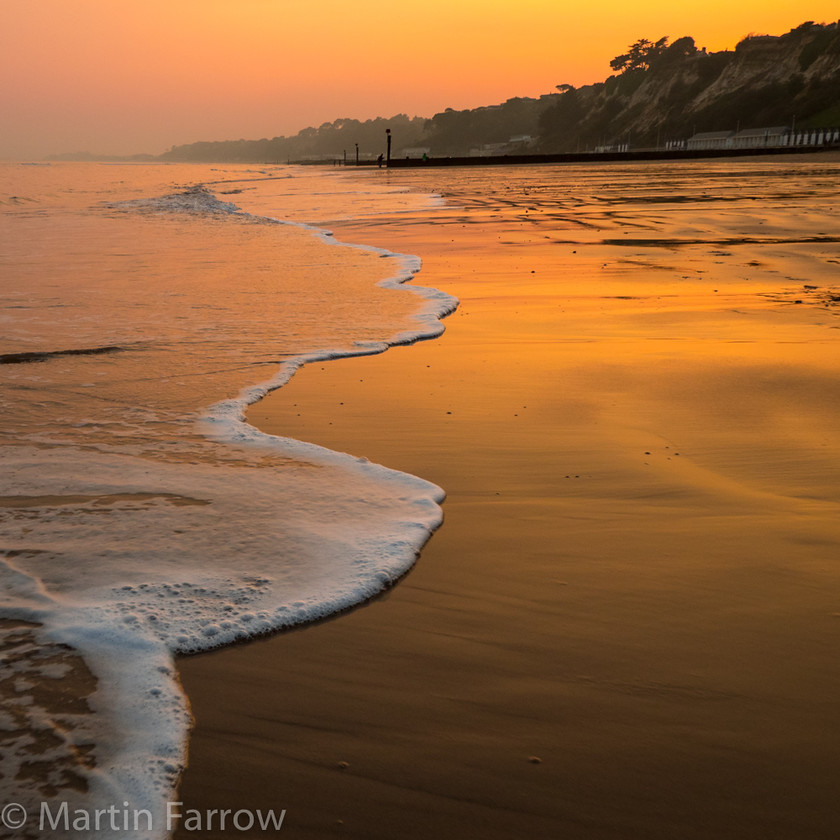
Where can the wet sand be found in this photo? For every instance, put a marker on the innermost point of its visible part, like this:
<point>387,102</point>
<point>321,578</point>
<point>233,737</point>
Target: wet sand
<point>628,625</point>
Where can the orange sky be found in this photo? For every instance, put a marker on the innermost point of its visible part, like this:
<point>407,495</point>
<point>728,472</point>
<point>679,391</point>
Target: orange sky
<point>126,76</point>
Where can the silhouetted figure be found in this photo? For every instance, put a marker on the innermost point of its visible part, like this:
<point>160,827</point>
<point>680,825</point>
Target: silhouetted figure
<point>379,161</point>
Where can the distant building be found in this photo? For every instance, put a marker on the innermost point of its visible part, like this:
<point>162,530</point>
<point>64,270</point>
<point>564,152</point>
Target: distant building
<point>615,147</point>
<point>489,150</point>
<point>757,138</point>
<point>711,140</point>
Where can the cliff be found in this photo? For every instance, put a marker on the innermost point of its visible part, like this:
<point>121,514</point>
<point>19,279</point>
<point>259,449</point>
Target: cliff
<point>681,90</point>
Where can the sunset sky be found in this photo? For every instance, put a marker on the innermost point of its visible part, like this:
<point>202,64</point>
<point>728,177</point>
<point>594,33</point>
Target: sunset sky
<point>124,76</point>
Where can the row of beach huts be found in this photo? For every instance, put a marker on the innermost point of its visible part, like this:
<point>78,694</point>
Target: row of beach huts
<point>779,136</point>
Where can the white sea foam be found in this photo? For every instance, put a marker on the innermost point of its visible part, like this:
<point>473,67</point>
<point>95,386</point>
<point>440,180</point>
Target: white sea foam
<point>196,199</point>
<point>166,584</point>
<point>130,558</point>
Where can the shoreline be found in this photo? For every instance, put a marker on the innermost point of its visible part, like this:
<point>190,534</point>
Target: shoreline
<point>642,155</point>
<point>639,155</point>
<point>625,627</point>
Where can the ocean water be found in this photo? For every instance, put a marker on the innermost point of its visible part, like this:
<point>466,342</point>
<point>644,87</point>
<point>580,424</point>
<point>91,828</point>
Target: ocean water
<point>142,308</point>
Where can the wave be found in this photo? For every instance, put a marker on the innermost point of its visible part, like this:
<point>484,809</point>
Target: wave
<point>43,356</point>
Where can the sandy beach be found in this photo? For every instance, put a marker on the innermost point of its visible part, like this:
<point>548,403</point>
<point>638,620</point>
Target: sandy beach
<point>628,624</point>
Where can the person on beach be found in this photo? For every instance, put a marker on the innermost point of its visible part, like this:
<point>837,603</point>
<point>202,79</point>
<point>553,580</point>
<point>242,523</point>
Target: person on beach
<point>379,161</point>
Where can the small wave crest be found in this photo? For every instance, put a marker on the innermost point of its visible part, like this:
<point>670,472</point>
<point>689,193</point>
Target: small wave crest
<point>195,199</point>
<point>43,356</point>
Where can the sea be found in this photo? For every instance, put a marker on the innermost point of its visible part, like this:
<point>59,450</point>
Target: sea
<point>143,307</point>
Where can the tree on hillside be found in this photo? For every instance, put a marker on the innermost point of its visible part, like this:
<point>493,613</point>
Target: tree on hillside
<point>639,56</point>
<point>681,48</point>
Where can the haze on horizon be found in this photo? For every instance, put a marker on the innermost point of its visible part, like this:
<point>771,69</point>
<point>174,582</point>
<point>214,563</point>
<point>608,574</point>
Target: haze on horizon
<point>139,77</point>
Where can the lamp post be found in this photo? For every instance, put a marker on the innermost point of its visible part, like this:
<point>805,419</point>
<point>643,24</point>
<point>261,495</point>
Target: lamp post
<point>357,154</point>
<point>388,147</point>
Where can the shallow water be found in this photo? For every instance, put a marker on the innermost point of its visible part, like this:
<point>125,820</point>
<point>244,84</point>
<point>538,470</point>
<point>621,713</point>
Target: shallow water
<point>141,517</point>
